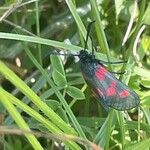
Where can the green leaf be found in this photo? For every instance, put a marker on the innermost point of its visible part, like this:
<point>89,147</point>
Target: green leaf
<point>145,100</point>
<point>53,104</point>
<point>146,17</point>
<point>142,72</point>
<point>59,78</point>
<point>63,114</point>
<point>58,73</point>
<point>145,144</point>
<point>118,6</point>
<point>56,106</point>
<point>57,64</point>
<point>146,82</point>
<point>75,92</point>
<point>145,44</point>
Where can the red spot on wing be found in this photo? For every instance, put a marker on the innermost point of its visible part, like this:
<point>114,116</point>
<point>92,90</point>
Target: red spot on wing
<point>124,94</point>
<point>111,90</point>
<point>100,73</point>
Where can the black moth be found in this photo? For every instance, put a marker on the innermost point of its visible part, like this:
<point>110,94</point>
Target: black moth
<point>109,91</point>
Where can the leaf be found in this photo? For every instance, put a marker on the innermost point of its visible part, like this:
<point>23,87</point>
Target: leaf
<point>57,64</point>
<point>142,72</point>
<point>145,43</point>
<point>75,92</point>
<point>146,82</point>
<point>145,144</point>
<point>146,17</point>
<point>53,104</point>
<point>118,6</point>
<point>63,114</point>
<point>58,73</point>
<point>146,101</point>
<point>59,78</point>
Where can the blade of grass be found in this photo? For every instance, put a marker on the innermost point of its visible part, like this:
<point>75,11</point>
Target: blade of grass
<point>19,120</point>
<point>143,145</point>
<point>100,31</point>
<point>103,136</point>
<point>122,128</point>
<point>36,88</point>
<point>50,126</point>
<point>12,77</point>
<point>53,128</point>
<point>43,41</point>
<point>38,30</point>
<point>39,41</point>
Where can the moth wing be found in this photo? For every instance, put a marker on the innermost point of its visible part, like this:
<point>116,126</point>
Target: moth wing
<point>100,95</point>
<point>117,94</point>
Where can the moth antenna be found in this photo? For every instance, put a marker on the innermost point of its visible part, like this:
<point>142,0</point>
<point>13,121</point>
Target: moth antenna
<point>93,55</point>
<point>87,35</point>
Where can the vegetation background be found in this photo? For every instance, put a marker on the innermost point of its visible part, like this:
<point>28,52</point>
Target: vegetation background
<point>47,96</point>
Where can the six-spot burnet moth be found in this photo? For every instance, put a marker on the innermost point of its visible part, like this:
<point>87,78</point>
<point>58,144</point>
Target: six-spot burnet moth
<point>109,91</point>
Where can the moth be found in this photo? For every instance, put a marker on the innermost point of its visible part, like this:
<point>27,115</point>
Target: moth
<point>110,91</point>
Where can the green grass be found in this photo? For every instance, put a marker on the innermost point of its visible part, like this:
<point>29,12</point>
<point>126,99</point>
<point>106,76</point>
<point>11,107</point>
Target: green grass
<point>59,101</point>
